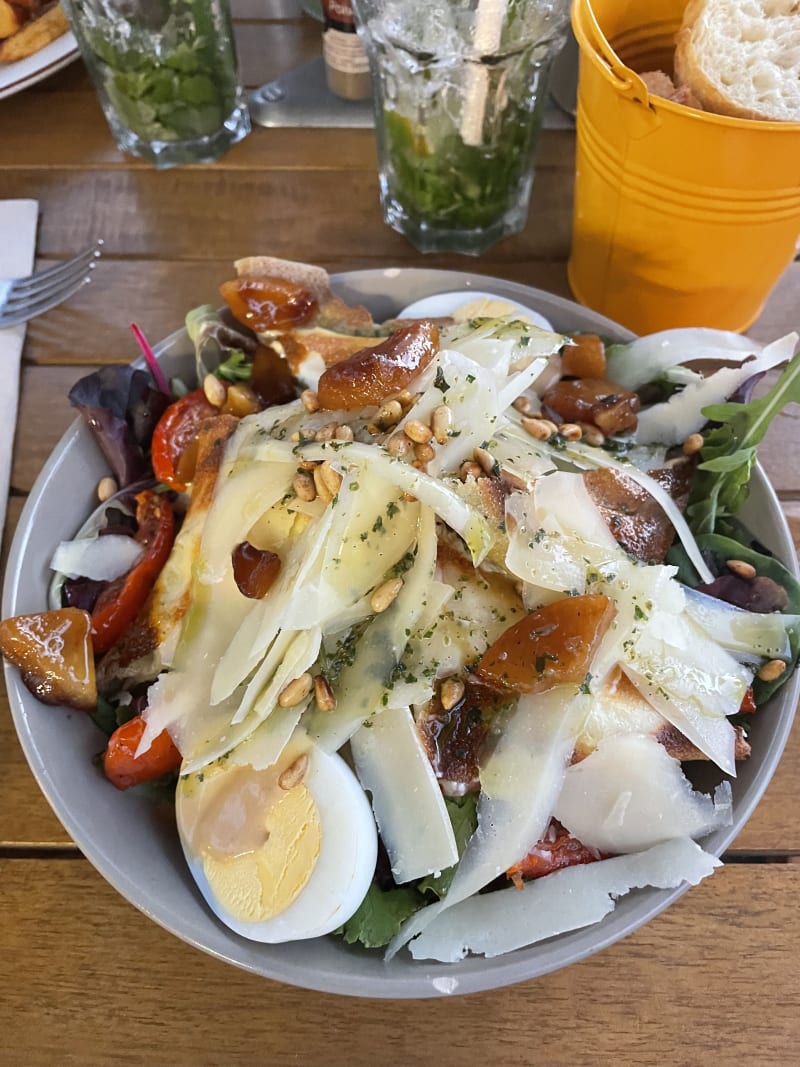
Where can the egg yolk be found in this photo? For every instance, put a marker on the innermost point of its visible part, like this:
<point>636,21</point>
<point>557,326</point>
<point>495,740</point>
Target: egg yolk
<point>258,843</point>
<point>263,883</point>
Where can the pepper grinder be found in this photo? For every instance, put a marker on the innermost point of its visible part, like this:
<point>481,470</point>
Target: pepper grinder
<point>346,64</point>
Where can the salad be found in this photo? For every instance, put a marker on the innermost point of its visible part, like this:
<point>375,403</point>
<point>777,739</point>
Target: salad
<point>417,622</point>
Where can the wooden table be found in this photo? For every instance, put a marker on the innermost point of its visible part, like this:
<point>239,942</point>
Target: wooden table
<point>86,979</point>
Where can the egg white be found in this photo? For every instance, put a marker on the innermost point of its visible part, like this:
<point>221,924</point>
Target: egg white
<point>442,304</point>
<point>344,867</point>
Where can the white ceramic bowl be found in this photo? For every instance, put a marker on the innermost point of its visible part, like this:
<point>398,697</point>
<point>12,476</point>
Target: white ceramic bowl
<point>134,844</point>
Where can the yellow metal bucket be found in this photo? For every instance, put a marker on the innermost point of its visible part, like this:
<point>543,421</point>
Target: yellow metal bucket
<point>682,218</point>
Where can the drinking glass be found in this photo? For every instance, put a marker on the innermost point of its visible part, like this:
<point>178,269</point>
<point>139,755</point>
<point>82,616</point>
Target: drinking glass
<point>166,74</point>
<point>459,88</point>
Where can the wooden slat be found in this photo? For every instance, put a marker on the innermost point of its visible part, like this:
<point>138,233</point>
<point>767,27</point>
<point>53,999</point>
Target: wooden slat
<point>708,979</point>
<point>200,209</point>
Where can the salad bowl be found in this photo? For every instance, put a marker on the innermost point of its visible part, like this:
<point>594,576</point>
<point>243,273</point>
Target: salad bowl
<point>132,840</point>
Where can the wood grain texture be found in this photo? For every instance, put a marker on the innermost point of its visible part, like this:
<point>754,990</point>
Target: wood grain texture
<point>91,981</point>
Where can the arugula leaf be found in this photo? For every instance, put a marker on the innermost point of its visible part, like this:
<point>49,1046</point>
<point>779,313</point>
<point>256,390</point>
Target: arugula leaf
<point>721,483</point>
<point>236,368</point>
<point>380,915</point>
<point>464,817</point>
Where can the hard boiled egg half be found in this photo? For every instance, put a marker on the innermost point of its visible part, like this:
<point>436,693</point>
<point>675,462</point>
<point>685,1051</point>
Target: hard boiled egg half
<point>282,852</point>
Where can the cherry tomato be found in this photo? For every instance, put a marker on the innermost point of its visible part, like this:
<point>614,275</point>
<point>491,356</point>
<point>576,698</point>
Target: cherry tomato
<point>175,437</point>
<point>124,768</point>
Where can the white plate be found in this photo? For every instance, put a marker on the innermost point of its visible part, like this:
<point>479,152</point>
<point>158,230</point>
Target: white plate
<point>14,77</point>
<point>134,844</point>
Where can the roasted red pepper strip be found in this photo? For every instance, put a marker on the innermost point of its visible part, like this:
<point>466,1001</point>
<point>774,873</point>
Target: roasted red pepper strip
<point>120,603</point>
<point>748,702</point>
<point>548,856</point>
<point>124,769</point>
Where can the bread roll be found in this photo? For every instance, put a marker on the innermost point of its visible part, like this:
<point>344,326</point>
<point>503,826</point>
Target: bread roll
<point>742,57</point>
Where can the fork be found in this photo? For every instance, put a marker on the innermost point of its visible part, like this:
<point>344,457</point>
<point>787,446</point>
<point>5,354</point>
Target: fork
<point>22,299</point>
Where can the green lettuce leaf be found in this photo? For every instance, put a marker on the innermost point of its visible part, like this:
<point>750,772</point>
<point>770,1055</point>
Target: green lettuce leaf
<point>380,915</point>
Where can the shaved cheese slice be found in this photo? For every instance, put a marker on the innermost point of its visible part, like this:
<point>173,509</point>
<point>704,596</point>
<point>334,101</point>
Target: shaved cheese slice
<point>751,633</point>
<point>410,811</point>
<point>520,784</point>
<point>691,681</point>
<point>239,500</point>
<point>672,421</point>
<point>277,670</point>
<point>500,922</point>
<point>467,522</point>
<point>646,358</point>
<point>629,795</point>
<point>364,683</point>
<point>556,535</point>
<point>259,628</point>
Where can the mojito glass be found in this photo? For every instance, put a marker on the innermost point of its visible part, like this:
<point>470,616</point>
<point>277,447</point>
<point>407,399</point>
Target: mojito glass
<point>166,75</point>
<point>459,89</point>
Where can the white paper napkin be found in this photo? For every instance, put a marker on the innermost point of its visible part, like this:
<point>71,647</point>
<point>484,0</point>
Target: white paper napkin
<point>18,220</point>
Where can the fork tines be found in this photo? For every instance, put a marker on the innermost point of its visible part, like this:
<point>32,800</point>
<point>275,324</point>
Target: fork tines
<point>25,298</point>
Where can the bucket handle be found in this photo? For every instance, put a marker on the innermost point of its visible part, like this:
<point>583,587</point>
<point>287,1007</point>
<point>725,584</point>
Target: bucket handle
<point>629,81</point>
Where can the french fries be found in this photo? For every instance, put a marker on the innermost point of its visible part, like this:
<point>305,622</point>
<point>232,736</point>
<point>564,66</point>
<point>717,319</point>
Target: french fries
<point>24,39</point>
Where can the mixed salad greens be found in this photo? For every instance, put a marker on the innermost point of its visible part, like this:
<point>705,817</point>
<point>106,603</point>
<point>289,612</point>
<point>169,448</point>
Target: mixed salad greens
<point>510,588</point>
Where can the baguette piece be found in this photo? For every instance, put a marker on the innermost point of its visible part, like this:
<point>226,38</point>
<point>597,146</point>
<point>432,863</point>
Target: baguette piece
<point>742,57</point>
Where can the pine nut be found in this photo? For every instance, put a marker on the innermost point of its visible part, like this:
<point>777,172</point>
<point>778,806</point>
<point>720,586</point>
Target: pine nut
<point>385,594</point>
<point>344,433</point>
<point>742,569</point>
<point>522,404</point>
<point>570,431</point>
<point>106,488</point>
<point>693,443</point>
<point>772,670</point>
<point>399,446</point>
<point>323,492</point>
<point>303,485</point>
<point>405,399</point>
<point>310,401</point>
<point>294,773</point>
<point>485,460</point>
<point>441,421</point>
<point>331,477</point>
<point>469,470</point>
<point>390,414</point>
<point>295,692</point>
<point>323,694</point>
<point>215,391</point>
<point>513,481</point>
<point>541,429</point>
<point>241,401</point>
<point>592,435</point>
<point>417,432</point>
<point>451,692</point>
<point>424,453</point>
<point>326,432</point>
